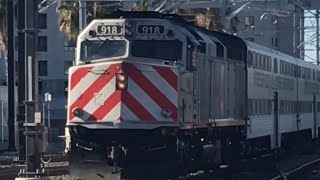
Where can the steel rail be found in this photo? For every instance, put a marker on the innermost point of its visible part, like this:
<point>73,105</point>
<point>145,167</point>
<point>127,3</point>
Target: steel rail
<point>284,175</point>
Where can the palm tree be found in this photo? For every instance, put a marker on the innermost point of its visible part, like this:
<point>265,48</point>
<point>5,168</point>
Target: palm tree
<point>68,12</point>
<point>208,18</point>
<point>3,25</point>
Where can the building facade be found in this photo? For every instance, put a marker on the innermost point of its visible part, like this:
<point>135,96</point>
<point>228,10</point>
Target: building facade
<point>55,55</point>
<point>276,24</point>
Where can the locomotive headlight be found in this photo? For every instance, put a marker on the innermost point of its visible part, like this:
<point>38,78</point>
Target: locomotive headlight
<point>166,113</point>
<point>121,77</point>
<point>121,81</point>
<point>92,33</point>
<point>121,85</point>
<point>77,112</point>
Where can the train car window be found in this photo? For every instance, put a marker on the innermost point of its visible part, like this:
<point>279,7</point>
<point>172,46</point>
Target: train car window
<point>285,68</point>
<point>281,67</point>
<point>269,106</point>
<point>98,49</point>
<point>254,106</point>
<point>250,107</point>
<point>254,58</point>
<point>289,69</point>
<point>270,63</point>
<point>281,107</point>
<point>267,63</point>
<point>250,59</point>
<point>292,70</point>
<point>158,49</point>
<point>260,61</point>
<point>275,65</point>
<point>257,61</point>
<point>313,74</point>
<point>264,62</point>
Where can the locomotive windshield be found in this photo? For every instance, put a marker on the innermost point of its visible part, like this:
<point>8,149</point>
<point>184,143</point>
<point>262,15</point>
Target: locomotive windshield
<point>98,49</point>
<point>159,49</point>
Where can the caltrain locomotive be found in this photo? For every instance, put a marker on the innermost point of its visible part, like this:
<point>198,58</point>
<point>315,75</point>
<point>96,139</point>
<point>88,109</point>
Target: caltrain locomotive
<point>152,93</point>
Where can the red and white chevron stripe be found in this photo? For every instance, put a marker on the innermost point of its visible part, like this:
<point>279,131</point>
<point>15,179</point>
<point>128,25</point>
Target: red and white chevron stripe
<point>151,89</point>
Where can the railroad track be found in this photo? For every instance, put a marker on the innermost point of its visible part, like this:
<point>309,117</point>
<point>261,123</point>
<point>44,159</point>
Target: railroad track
<point>56,165</point>
<point>8,160</point>
<point>298,170</point>
<point>11,173</point>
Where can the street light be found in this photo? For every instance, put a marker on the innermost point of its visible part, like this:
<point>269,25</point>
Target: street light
<point>47,100</point>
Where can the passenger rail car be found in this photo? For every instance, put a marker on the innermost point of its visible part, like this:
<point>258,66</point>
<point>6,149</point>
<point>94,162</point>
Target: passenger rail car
<point>151,93</point>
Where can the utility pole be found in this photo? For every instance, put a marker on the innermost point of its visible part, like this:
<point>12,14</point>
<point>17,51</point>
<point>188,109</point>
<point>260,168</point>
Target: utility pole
<point>11,77</point>
<point>317,36</point>
<point>301,34</point>
<point>34,168</point>
<point>31,78</point>
<point>82,14</point>
<point>21,79</point>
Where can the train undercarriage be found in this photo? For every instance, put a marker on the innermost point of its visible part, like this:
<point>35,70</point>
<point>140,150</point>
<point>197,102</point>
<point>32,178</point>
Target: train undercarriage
<point>144,154</point>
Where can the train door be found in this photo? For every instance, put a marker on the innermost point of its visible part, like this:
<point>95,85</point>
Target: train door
<point>276,119</point>
<point>315,123</point>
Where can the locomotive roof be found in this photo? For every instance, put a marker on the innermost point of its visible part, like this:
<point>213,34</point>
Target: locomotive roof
<point>236,47</point>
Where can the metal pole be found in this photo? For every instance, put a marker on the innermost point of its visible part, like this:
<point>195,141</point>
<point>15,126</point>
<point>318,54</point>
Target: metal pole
<point>31,91</point>
<point>2,123</point>
<point>11,77</point>
<point>44,113</point>
<point>301,33</point>
<point>49,120</point>
<point>294,31</point>
<point>317,36</point>
<point>21,79</point>
<point>82,14</point>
